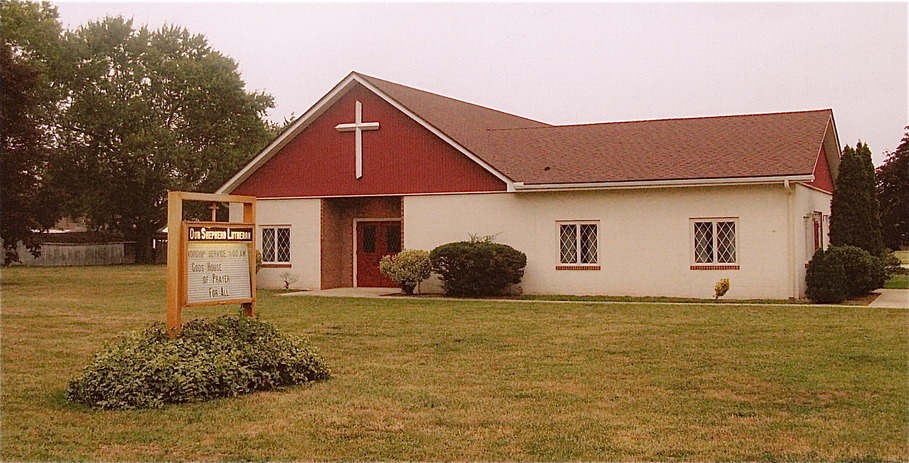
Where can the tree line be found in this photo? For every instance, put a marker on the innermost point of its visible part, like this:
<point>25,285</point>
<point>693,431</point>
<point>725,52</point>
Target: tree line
<point>101,121</point>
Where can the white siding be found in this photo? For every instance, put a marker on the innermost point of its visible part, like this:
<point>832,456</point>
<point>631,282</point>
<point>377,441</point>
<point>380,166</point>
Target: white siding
<point>644,237</point>
<point>303,216</point>
<point>807,200</point>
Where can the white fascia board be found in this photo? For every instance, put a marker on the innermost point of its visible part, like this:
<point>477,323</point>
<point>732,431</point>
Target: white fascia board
<point>286,136</point>
<point>492,170</point>
<point>521,187</point>
<point>320,106</point>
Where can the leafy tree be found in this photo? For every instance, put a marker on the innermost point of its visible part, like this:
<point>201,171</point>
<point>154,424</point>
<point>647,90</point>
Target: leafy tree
<point>855,212</point>
<point>28,49</point>
<point>893,193</point>
<point>146,112</point>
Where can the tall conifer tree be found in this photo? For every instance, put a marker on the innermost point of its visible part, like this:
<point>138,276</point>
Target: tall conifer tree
<point>893,193</point>
<point>855,213</point>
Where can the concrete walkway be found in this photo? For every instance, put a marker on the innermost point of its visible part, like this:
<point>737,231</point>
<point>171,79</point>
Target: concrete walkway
<point>891,299</point>
<point>888,299</point>
<point>349,292</point>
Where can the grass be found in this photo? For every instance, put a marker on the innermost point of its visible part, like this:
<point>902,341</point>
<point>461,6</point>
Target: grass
<point>429,379</point>
<point>898,281</point>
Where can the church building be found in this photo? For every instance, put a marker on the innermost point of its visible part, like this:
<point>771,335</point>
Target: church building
<point>644,208</point>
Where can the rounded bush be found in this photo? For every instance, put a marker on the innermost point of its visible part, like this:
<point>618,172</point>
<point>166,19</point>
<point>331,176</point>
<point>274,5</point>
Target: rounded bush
<point>477,268</point>
<point>406,268</point>
<point>842,272</point>
<point>825,280</point>
<point>224,357</point>
<point>864,272</point>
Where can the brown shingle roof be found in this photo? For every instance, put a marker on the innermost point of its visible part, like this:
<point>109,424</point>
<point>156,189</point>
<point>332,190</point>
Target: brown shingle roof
<point>698,148</point>
<point>464,122</point>
<point>533,152</point>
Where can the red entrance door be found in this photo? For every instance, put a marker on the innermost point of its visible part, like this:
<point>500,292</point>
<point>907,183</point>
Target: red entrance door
<point>375,240</point>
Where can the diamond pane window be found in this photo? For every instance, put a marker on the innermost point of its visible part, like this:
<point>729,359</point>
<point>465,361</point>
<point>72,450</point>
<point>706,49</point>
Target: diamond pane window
<point>282,250</point>
<point>714,242</point>
<point>276,245</point>
<point>568,244</point>
<point>725,242</point>
<point>588,243</point>
<point>703,242</point>
<point>578,243</point>
<point>268,245</point>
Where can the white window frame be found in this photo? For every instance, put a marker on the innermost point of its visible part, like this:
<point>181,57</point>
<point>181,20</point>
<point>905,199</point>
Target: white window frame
<point>577,264</point>
<point>692,242</point>
<point>262,229</point>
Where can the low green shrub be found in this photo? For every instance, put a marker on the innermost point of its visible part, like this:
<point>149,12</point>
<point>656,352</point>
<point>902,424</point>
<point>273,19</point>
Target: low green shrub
<point>406,268</point>
<point>477,267</point>
<point>224,357</point>
<point>842,272</point>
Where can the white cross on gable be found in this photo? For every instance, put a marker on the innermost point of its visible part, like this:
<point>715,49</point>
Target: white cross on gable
<point>358,126</point>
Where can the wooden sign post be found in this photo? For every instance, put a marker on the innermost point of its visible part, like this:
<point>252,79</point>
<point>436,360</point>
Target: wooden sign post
<point>209,263</point>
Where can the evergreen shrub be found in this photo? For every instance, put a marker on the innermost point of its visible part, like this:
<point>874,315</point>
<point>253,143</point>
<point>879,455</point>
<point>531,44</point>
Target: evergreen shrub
<point>224,357</point>
<point>864,272</point>
<point>477,267</point>
<point>842,272</point>
<point>825,279</point>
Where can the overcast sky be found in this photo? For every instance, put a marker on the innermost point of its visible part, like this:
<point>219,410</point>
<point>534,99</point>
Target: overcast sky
<point>565,63</point>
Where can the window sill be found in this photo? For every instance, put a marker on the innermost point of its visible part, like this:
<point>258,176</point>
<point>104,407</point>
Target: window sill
<point>264,265</point>
<point>715,267</point>
<point>577,267</point>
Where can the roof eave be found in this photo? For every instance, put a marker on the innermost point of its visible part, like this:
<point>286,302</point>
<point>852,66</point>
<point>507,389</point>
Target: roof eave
<point>675,183</point>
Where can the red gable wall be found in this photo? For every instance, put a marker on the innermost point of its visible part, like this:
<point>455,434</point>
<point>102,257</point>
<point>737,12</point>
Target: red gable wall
<point>400,157</point>
<point>822,177</point>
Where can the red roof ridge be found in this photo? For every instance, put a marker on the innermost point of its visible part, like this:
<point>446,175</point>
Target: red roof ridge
<point>368,77</point>
<point>590,124</point>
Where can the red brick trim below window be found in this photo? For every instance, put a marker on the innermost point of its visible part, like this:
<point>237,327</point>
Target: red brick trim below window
<point>577,267</point>
<point>277,265</point>
<point>714,267</point>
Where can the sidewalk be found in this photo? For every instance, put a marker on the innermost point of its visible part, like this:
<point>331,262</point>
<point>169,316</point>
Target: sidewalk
<point>888,299</point>
<point>891,299</point>
<point>348,292</point>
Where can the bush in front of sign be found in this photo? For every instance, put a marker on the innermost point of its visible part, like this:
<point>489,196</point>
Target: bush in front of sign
<point>224,357</point>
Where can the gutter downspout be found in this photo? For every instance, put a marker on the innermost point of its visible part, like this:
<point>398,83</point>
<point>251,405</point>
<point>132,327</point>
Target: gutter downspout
<point>790,239</point>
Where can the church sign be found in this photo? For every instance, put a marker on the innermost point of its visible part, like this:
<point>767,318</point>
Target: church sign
<point>209,263</point>
<point>217,264</point>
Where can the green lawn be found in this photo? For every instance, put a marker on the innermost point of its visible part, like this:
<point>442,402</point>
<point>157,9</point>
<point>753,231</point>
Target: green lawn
<point>900,281</point>
<point>430,379</point>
